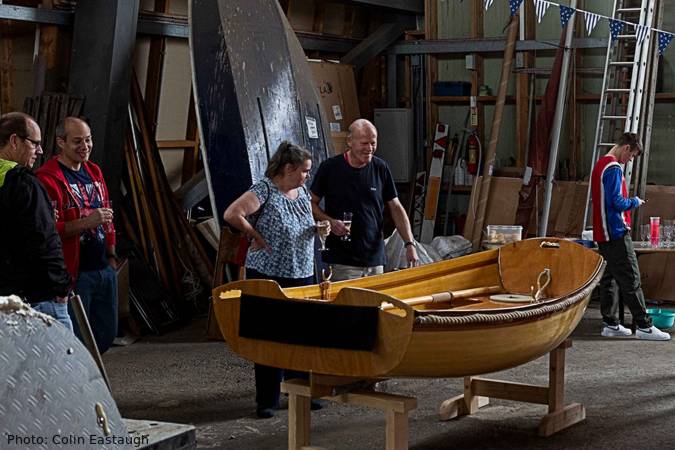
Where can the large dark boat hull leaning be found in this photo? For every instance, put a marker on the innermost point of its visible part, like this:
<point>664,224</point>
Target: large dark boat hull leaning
<point>253,89</point>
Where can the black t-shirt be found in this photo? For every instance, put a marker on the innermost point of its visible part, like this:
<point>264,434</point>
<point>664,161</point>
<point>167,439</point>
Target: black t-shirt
<point>92,242</point>
<point>363,192</point>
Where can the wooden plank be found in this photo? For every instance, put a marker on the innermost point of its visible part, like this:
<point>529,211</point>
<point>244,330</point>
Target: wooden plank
<point>184,143</point>
<point>523,90</point>
<point>490,156</point>
<point>431,32</point>
<point>559,420</point>
<point>319,16</point>
<point>191,160</point>
<point>508,390</point>
<point>153,81</point>
<point>6,70</point>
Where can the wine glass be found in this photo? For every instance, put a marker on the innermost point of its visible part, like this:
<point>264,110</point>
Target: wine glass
<point>108,227</point>
<point>645,232</point>
<point>347,221</point>
<point>323,229</point>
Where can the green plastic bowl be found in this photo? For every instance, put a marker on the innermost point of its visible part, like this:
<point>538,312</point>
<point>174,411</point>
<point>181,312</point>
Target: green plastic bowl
<point>662,318</point>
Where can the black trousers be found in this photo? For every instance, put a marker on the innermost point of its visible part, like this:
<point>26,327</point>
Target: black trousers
<point>622,271</point>
<point>268,379</point>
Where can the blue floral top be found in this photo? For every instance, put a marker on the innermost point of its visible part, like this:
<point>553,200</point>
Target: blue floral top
<point>288,227</point>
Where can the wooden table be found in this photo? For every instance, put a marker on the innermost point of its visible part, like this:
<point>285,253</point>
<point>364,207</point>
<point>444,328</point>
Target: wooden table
<point>642,249</point>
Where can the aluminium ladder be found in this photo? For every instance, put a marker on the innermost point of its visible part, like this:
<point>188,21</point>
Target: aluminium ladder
<point>623,84</point>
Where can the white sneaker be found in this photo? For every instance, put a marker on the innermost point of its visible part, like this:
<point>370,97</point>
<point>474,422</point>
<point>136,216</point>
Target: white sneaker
<point>614,330</point>
<point>652,334</point>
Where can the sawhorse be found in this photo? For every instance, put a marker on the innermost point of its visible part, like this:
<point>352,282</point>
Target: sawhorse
<point>560,416</point>
<point>300,392</point>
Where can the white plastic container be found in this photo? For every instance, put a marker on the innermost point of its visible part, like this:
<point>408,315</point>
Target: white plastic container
<point>504,234</point>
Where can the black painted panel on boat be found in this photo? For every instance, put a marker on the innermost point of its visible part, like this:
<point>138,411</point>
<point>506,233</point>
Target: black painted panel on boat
<point>308,323</point>
<point>254,90</point>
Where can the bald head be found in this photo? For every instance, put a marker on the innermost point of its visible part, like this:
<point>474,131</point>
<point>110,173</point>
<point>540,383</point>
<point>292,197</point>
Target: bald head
<point>73,137</point>
<point>361,126</point>
<point>361,142</point>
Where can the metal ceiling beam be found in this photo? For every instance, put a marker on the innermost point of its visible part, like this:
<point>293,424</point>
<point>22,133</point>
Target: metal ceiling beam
<point>484,46</point>
<point>408,6</point>
<point>374,44</point>
<point>324,43</point>
<point>36,15</point>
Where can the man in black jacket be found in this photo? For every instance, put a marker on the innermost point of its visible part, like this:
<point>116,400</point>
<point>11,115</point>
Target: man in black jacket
<point>31,259</point>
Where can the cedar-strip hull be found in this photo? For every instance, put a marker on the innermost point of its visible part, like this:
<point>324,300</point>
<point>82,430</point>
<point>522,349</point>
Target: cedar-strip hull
<point>466,336</point>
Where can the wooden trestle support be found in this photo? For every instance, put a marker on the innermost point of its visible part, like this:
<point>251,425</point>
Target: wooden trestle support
<point>560,416</point>
<point>396,407</point>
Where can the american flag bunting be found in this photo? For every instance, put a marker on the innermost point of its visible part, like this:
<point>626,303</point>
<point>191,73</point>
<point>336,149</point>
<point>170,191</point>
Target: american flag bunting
<point>641,32</point>
<point>540,8</point>
<point>615,28</point>
<point>515,5</point>
<point>565,14</point>
<point>664,41</point>
<point>591,21</point>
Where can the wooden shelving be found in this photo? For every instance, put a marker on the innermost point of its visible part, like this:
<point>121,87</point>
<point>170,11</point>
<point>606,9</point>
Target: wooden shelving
<point>511,99</point>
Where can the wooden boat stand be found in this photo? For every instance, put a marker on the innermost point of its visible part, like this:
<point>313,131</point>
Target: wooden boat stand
<point>349,391</point>
<point>560,416</point>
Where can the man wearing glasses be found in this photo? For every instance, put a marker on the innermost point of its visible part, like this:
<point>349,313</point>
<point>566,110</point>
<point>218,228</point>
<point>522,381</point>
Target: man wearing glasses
<point>31,258</point>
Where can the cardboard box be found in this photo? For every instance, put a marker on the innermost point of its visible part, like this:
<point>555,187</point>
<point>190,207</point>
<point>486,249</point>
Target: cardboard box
<point>336,86</point>
<point>339,142</point>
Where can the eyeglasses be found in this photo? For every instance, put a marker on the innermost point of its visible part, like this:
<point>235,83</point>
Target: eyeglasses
<point>35,143</point>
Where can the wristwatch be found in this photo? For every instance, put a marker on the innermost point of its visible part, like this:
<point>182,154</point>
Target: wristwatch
<point>409,243</point>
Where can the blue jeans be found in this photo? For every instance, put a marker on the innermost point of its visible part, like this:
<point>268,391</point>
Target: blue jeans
<point>98,291</point>
<point>59,311</point>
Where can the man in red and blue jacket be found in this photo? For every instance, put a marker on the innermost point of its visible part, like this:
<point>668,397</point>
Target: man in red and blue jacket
<point>611,230</point>
<point>85,226</point>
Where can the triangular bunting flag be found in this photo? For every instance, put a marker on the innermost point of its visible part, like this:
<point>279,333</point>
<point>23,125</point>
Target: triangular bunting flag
<point>540,8</point>
<point>565,13</point>
<point>615,28</point>
<point>591,21</point>
<point>664,41</point>
<point>488,3</point>
<point>641,32</point>
<point>515,5</point>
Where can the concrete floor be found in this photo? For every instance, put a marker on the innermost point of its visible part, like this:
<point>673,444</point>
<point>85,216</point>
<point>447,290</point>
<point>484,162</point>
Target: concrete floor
<point>626,385</point>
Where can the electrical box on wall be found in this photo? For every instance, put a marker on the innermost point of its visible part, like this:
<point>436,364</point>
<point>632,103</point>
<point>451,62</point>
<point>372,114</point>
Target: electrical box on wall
<point>395,140</point>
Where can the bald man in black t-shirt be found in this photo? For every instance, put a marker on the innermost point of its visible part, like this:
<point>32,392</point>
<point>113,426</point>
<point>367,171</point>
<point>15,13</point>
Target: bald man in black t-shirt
<point>360,183</point>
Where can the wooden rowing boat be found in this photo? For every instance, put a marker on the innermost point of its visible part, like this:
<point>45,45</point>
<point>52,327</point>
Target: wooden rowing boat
<point>436,320</point>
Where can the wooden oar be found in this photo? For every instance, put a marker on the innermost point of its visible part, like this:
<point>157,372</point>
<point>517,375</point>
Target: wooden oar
<point>447,296</point>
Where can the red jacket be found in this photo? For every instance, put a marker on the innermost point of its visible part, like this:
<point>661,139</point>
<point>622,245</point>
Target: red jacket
<point>58,189</point>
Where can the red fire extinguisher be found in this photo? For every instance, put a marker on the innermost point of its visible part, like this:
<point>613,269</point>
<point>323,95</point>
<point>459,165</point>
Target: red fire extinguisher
<point>472,154</point>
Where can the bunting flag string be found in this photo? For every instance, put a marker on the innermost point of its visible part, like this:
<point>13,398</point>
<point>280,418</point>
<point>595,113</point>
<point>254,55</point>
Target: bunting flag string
<point>540,7</point>
<point>515,5</point>
<point>664,41</point>
<point>641,32</point>
<point>615,28</point>
<point>591,21</point>
<point>565,14</point>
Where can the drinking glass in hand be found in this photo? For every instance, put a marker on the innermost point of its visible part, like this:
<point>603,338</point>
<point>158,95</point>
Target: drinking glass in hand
<point>108,227</point>
<point>322,228</point>
<point>347,221</point>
